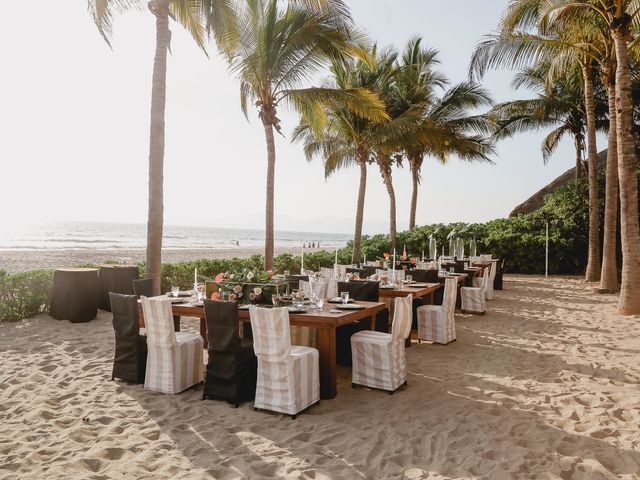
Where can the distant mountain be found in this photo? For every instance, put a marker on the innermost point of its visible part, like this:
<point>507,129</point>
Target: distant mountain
<point>536,201</point>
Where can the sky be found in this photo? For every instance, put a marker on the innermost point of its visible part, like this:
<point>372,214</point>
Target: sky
<point>74,128</point>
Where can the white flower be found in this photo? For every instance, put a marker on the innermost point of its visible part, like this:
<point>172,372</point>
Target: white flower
<point>257,291</point>
<point>250,276</point>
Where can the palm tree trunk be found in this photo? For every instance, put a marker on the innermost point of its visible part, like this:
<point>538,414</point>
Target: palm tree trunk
<point>609,274</point>
<point>593,260</point>
<point>415,180</point>
<point>153,267</point>
<point>385,170</point>
<point>271,172</point>
<point>578,144</point>
<point>357,237</point>
<point>629,303</point>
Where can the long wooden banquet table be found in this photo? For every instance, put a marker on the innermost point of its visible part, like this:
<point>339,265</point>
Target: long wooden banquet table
<point>424,290</point>
<point>325,321</point>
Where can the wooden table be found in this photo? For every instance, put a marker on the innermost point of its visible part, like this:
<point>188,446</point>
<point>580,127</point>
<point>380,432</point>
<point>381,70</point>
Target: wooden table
<point>406,290</point>
<point>324,321</point>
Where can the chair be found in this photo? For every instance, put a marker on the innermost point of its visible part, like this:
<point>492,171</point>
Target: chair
<point>425,276</point>
<point>492,278</point>
<point>174,361</point>
<point>473,298</point>
<point>143,288</point>
<point>400,274</point>
<point>327,272</point>
<point>288,375</point>
<point>436,323</point>
<point>379,358</point>
<point>359,291</point>
<point>130,358</point>
<point>232,365</point>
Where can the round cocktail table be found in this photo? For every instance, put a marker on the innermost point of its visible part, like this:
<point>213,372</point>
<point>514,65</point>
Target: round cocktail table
<point>74,295</point>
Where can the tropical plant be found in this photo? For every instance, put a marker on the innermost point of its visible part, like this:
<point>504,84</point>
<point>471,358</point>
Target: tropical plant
<point>445,126</point>
<point>621,19</point>
<point>569,44</point>
<point>190,14</point>
<point>277,51</point>
<point>346,138</point>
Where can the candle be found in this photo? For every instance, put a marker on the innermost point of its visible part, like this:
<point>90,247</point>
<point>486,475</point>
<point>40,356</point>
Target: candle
<point>336,262</point>
<point>195,277</point>
<point>365,258</point>
<point>394,259</point>
<point>302,261</point>
<point>423,255</point>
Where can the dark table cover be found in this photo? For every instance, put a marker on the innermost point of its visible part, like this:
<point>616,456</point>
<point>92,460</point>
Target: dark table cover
<point>75,294</point>
<point>116,279</point>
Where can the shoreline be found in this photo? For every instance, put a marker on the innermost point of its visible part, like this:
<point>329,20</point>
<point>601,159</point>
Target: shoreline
<point>15,261</point>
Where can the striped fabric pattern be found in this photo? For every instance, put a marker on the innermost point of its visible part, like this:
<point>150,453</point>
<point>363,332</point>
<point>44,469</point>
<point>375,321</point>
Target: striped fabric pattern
<point>473,298</point>
<point>174,359</point>
<point>436,323</point>
<point>379,358</point>
<point>489,293</point>
<point>288,375</point>
<point>327,272</point>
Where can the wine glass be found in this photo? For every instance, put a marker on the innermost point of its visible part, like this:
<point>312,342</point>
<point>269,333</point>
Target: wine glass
<point>175,290</point>
<point>344,296</point>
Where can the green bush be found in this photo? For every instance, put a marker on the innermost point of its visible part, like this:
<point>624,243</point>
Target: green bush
<point>25,294</point>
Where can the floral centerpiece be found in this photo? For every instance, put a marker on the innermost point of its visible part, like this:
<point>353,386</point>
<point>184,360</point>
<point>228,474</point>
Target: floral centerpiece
<point>247,286</point>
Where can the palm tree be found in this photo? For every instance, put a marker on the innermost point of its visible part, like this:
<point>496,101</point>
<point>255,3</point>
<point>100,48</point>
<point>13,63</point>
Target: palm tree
<point>620,18</point>
<point>346,139</point>
<point>190,14</point>
<point>567,45</point>
<point>277,51</point>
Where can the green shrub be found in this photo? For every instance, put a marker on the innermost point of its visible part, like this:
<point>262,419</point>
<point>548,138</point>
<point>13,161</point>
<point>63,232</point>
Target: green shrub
<point>24,294</point>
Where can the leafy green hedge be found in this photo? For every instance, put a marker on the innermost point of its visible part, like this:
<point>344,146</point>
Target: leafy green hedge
<point>24,294</point>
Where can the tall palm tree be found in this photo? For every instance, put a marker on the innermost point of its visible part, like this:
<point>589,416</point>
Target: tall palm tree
<point>346,139</point>
<point>565,45</point>
<point>558,105</point>
<point>190,14</point>
<point>278,49</point>
<point>621,18</point>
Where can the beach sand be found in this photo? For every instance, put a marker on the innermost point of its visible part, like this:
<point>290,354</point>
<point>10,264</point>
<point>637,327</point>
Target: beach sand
<point>23,260</point>
<point>545,385</point>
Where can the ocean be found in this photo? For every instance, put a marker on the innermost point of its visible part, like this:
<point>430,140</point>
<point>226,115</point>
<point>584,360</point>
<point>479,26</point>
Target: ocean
<point>123,236</point>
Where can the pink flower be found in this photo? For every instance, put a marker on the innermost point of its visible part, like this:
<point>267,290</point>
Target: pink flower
<point>232,297</point>
<point>237,289</point>
<point>412,260</point>
<point>270,272</point>
<point>252,296</point>
<point>385,255</point>
<point>219,277</point>
<point>215,296</point>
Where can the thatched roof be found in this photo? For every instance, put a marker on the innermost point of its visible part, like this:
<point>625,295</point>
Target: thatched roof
<point>536,201</point>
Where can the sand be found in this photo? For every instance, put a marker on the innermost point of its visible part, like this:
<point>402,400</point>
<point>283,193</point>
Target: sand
<point>545,385</point>
<point>20,261</point>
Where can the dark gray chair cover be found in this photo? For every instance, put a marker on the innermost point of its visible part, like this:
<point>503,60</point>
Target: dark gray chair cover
<point>366,292</point>
<point>497,282</point>
<point>232,367</point>
<point>130,359</point>
<point>143,288</point>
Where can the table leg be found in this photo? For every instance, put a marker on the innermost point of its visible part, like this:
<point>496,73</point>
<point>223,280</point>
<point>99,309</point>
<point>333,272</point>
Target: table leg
<point>373,322</point>
<point>327,350</point>
<point>176,323</point>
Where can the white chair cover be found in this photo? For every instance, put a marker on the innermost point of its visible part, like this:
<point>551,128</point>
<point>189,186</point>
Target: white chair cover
<point>489,293</point>
<point>342,270</point>
<point>174,359</point>
<point>373,263</point>
<point>379,358</point>
<point>400,274</point>
<point>473,298</point>
<point>436,323</point>
<point>288,375</point>
<point>327,272</point>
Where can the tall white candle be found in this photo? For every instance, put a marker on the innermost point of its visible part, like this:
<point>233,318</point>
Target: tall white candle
<point>423,255</point>
<point>336,262</point>
<point>302,261</point>
<point>394,259</point>
<point>195,277</point>
<point>365,258</point>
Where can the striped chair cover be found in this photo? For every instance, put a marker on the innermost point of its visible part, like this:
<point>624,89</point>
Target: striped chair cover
<point>473,298</point>
<point>379,358</point>
<point>400,274</point>
<point>327,272</point>
<point>301,335</point>
<point>489,293</point>
<point>436,323</point>
<point>288,375</point>
<point>342,270</point>
<point>174,359</point>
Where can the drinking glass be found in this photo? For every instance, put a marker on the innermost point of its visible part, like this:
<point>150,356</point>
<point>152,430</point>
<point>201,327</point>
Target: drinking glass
<point>409,278</point>
<point>175,290</point>
<point>319,302</point>
<point>452,269</point>
<point>275,299</point>
<point>199,293</point>
<point>287,273</point>
<point>344,296</point>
